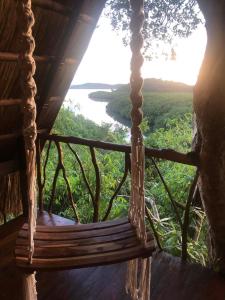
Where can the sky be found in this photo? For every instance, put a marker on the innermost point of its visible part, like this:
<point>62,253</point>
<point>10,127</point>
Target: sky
<point>107,60</point>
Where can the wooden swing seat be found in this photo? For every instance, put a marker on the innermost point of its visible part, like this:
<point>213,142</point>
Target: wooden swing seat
<point>81,245</point>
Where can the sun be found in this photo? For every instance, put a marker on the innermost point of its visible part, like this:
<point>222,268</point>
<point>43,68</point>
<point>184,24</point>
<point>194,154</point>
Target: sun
<point>109,62</point>
<point>189,56</point>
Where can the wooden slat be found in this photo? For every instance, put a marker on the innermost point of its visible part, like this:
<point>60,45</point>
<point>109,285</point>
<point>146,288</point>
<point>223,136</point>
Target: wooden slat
<point>54,236</point>
<point>84,241</point>
<point>79,227</point>
<point>108,242</point>
<point>10,102</point>
<point>9,167</point>
<point>78,250</point>
<point>10,56</point>
<point>11,227</point>
<point>14,57</point>
<point>53,6</point>
<point>10,136</point>
<point>8,236</point>
<point>17,134</point>
<point>87,260</point>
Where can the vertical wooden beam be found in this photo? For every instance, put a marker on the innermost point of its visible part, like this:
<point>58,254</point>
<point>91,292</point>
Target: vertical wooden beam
<point>39,177</point>
<point>76,39</point>
<point>23,177</point>
<point>209,106</point>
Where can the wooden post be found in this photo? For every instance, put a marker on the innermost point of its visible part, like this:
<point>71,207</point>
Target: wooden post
<point>209,106</point>
<point>23,177</point>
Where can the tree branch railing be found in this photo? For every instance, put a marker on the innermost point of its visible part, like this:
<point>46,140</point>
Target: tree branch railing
<point>190,158</point>
<point>60,167</point>
<point>126,170</point>
<point>95,195</point>
<point>97,185</point>
<point>82,172</point>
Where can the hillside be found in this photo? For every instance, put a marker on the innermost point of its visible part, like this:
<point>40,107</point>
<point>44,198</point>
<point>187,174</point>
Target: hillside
<point>158,107</point>
<point>150,85</point>
<point>95,86</point>
<point>163,100</point>
<point>159,85</point>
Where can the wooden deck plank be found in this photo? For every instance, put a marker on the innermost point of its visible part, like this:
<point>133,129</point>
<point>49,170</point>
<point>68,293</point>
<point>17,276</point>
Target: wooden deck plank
<point>173,280</point>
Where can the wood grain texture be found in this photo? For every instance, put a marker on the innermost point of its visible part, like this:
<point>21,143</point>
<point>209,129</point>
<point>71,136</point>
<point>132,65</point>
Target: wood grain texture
<point>81,245</point>
<point>57,24</point>
<point>171,280</point>
<point>10,102</point>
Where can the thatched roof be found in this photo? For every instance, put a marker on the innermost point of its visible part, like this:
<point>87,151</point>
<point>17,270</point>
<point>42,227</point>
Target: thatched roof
<point>62,31</point>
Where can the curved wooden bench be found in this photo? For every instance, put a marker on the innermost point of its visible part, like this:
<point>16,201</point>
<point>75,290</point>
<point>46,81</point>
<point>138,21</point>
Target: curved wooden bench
<point>81,245</point>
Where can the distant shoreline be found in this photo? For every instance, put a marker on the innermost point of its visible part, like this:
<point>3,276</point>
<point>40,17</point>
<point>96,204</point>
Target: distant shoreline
<point>95,86</point>
<point>150,85</point>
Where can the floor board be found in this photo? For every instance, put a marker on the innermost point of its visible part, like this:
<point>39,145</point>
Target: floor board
<point>171,280</point>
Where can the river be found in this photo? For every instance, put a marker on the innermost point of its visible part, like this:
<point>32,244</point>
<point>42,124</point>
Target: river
<point>79,101</point>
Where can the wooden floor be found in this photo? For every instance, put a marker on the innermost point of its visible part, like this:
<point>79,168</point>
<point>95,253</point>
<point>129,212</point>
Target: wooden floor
<point>170,279</point>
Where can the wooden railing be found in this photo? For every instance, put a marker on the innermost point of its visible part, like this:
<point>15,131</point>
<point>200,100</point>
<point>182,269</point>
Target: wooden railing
<point>151,154</point>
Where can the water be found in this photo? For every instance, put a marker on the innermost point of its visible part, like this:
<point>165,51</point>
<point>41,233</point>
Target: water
<point>79,101</point>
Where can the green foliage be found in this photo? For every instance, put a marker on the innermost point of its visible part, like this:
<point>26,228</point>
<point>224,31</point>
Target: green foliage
<point>157,108</point>
<point>68,123</point>
<point>162,100</point>
<point>176,134</point>
<point>164,20</point>
<point>111,165</point>
<point>101,96</point>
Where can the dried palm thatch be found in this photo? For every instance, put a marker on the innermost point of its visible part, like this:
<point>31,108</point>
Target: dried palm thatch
<point>10,197</point>
<point>62,31</point>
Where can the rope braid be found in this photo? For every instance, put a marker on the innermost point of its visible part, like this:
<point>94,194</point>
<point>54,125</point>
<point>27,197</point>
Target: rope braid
<point>137,206</point>
<point>28,86</point>
<point>138,289</point>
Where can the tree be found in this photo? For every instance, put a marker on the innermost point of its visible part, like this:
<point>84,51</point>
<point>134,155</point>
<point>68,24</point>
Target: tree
<point>209,106</point>
<point>165,20</point>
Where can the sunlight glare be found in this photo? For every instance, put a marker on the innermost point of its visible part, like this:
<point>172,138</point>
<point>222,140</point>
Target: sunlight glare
<point>108,61</point>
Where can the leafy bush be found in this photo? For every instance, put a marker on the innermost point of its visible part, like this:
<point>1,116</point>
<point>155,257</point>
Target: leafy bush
<point>176,134</point>
<point>158,107</point>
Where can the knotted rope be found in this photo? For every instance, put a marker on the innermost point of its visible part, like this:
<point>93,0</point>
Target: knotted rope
<point>137,205</point>
<point>139,289</point>
<point>28,86</point>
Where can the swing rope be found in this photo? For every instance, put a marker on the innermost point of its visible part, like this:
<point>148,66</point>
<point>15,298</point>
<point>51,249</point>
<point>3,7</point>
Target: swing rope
<point>28,86</point>
<point>138,289</point>
<point>137,204</point>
